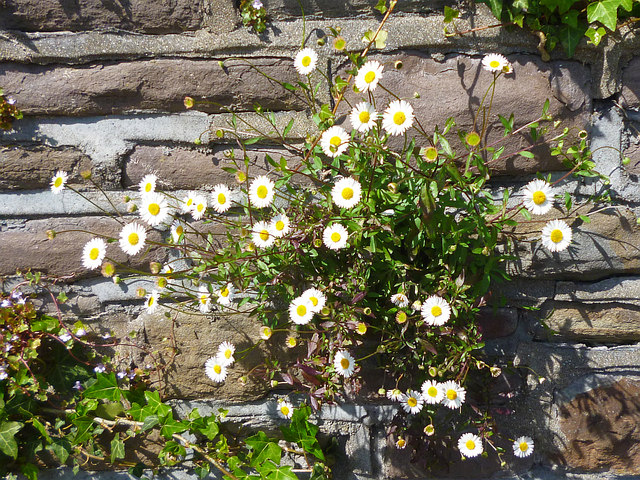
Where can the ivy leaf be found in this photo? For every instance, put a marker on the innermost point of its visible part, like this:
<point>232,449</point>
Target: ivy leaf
<point>570,37</point>
<point>381,6</point>
<point>595,36</point>
<point>605,12</point>
<point>30,471</point>
<point>105,388</point>
<point>61,447</point>
<point>8,444</point>
<point>450,14</point>
<point>117,449</point>
<point>264,449</point>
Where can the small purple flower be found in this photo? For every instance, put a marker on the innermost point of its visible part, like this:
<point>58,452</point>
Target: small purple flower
<point>257,4</point>
<point>132,375</point>
<point>121,375</point>
<point>3,373</point>
<point>106,336</point>
<point>78,386</point>
<point>81,332</point>
<point>6,303</point>
<point>65,337</point>
<point>11,101</point>
<point>100,368</point>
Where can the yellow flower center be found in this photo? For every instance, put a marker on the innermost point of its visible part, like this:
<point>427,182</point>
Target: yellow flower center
<point>335,237</point>
<point>148,187</point>
<point>93,254</point>
<point>399,118</point>
<point>524,446</point>
<point>292,342</point>
<point>154,209</point>
<point>344,363</point>
<point>306,61</point>
<point>370,77</point>
<point>452,394</point>
<point>134,238</point>
<point>224,292</point>
<point>431,154</point>
<point>58,182</point>
<point>539,197</point>
<point>301,310</point>
<point>470,444</point>
<point>362,328</point>
<point>179,230</point>
<point>432,392</point>
<point>279,225</point>
<point>265,332</point>
<point>335,141</point>
<point>262,192</point>
<point>347,193</point>
<point>264,235</point>
<point>151,301</point>
<point>412,402</point>
<point>285,410</point>
<point>222,199</point>
<point>364,116</point>
<point>436,311</point>
<point>217,369</point>
<point>227,353</point>
<point>189,202</point>
<point>401,443</point>
<point>314,301</point>
<point>401,317</point>
<point>556,236</point>
<point>200,207</point>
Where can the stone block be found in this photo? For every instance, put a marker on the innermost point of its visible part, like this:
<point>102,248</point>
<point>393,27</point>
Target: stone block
<point>149,16</point>
<point>498,323</point>
<point>349,8</point>
<point>153,85</point>
<point>619,290</point>
<point>630,94</point>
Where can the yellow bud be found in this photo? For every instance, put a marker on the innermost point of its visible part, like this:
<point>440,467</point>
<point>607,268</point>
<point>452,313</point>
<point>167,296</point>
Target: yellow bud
<point>86,174</point>
<point>189,102</point>
<point>392,187</point>
<point>155,267</point>
<point>141,292</point>
<point>108,269</point>
<point>51,234</point>
<point>162,282</point>
<point>219,133</point>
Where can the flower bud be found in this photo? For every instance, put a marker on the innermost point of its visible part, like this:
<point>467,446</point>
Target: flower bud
<point>189,102</point>
<point>274,383</point>
<point>429,430</point>
<point>141,292</point>
<point>433,371</point>
<point>132,208</point>
<point>241,177</point>
<point>108,269</point>
<point>472,139</point>
<point>86,174</point>
<point>401,317</point>
<point>382,391</point>
<point>162,282</point>
<point>392,187</point>
<point>155,267</point>
<point>51,234</point>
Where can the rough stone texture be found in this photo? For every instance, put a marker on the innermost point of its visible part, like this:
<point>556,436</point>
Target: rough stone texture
<point>157,85</point>
<point>331,8</point>
<point>497,324</point>
<point>29,247</point>
<point>151,16</point>
<point>30,168</point>
<point>625,290</point>
<point>630,93</point>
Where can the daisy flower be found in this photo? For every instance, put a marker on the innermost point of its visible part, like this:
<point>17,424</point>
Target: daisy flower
<point>363,117</point>
<point>132,238</point>
<point>58,181</point>
<point>285,408</point>
<point>400,300</point>
<point>454,394</point>
<point>432,392</point>
<point>412,401</point>
<point>368,76</point>
<point>395,395</point>
<point>556,235</point>
<point>148,184</point>
<point>151,303</point>
<point>301,311</point>
<point>225,353</point>
<point>335,236</point>
<point>346,193</point>
<point>199,207</point>
<point>470,445</point>
<point>187,202</point>
<point>221,197</point>
<point>265,333</point>
<point>401,443</point>
<point>215,370</point>
<point>316,297</point>
<point>537,197</point>
<point>155,209</point>
<point>334,141</point>
<point>279,226</point>
<point>361,328</point>
<point>495,62</point>
<point>177,230</point>
<point>291,342</point>
<point>344,363</point>
<point>261,191</point>
<point>204,299</point>
<point>226,294</point>
<point>398,117</point>
<point>305,61</point>
<point>93,253</point>
<point>523,447</point>
<point>261,235</point>
<point>435,311</point>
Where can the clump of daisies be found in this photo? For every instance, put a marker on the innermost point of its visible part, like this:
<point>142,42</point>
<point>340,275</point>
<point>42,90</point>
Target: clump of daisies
<point>216,367</point>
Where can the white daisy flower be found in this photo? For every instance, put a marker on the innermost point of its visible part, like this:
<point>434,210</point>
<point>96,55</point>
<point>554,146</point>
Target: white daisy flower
<point>470,445</point>
<point>301,311</point>
<point>335,236</point>
<point>148,184</point>
<point>346,193</point>
<point>225,353</point>
<point>305,61</point>
<point>261,191</point>
<point>363,117</point>
<point>344,363</point>
<point>280,225</point>
<point>132,238</point>
<point>151,303</point>
<point>395,394</point>
<point>199,207</point>
<point>58,181</point>
<point>401,443</point>
<point>221,198</point>
<point>177,230</point>
<point>398,117</point>
<point>155,209</point>
<point>412,402</point>
<point>291,341</point>
<point>316,297</point>
<point>523,447</point>
<point>454,394</point>
<point>215,370</point>
<point>334,141</point>
<point>187,202</point>
<point>261,235</point>
<point>265,333</point>
<point>400,300</point>
<point>285,408</point>
<point>537,197</point>
<point>368,76</point>
<point>93,253</point>
<point>432,392</point>
<point>226,294</point>
<point>495,62</point>
<point>435,311</point>
<point>204,299</point>
<point>556,235</point>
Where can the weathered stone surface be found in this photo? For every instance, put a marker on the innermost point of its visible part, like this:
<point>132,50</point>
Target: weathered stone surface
<point>331,8</point>
<point>29,247</point>
<point>182,168</point>
<point>630,94</point>
<point>158,85</point>
<point>151,16</point>
<point>455,86</point>
<point>497,324</point>
<point>31,168</point>
<point>256,125</point>
<point>625,290</point>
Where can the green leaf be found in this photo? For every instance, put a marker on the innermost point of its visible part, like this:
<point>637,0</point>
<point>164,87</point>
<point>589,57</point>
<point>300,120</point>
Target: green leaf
<point>595,36</point>
<point>150,422</point>
<point>584,218</point>
<point>106,388</point>
<point>117,449</point>
<point>450,14</point>
<point>570,37</point>
<point>381,6</point>
<point>61,447</point>
<point>8,444</point>
<point>605,12</point>
<point>527,154</point>
<point>155,404</point>
<point>495,6</point>
<point>30,471</point>
<point>85,429</point>
<point>264,449</point>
